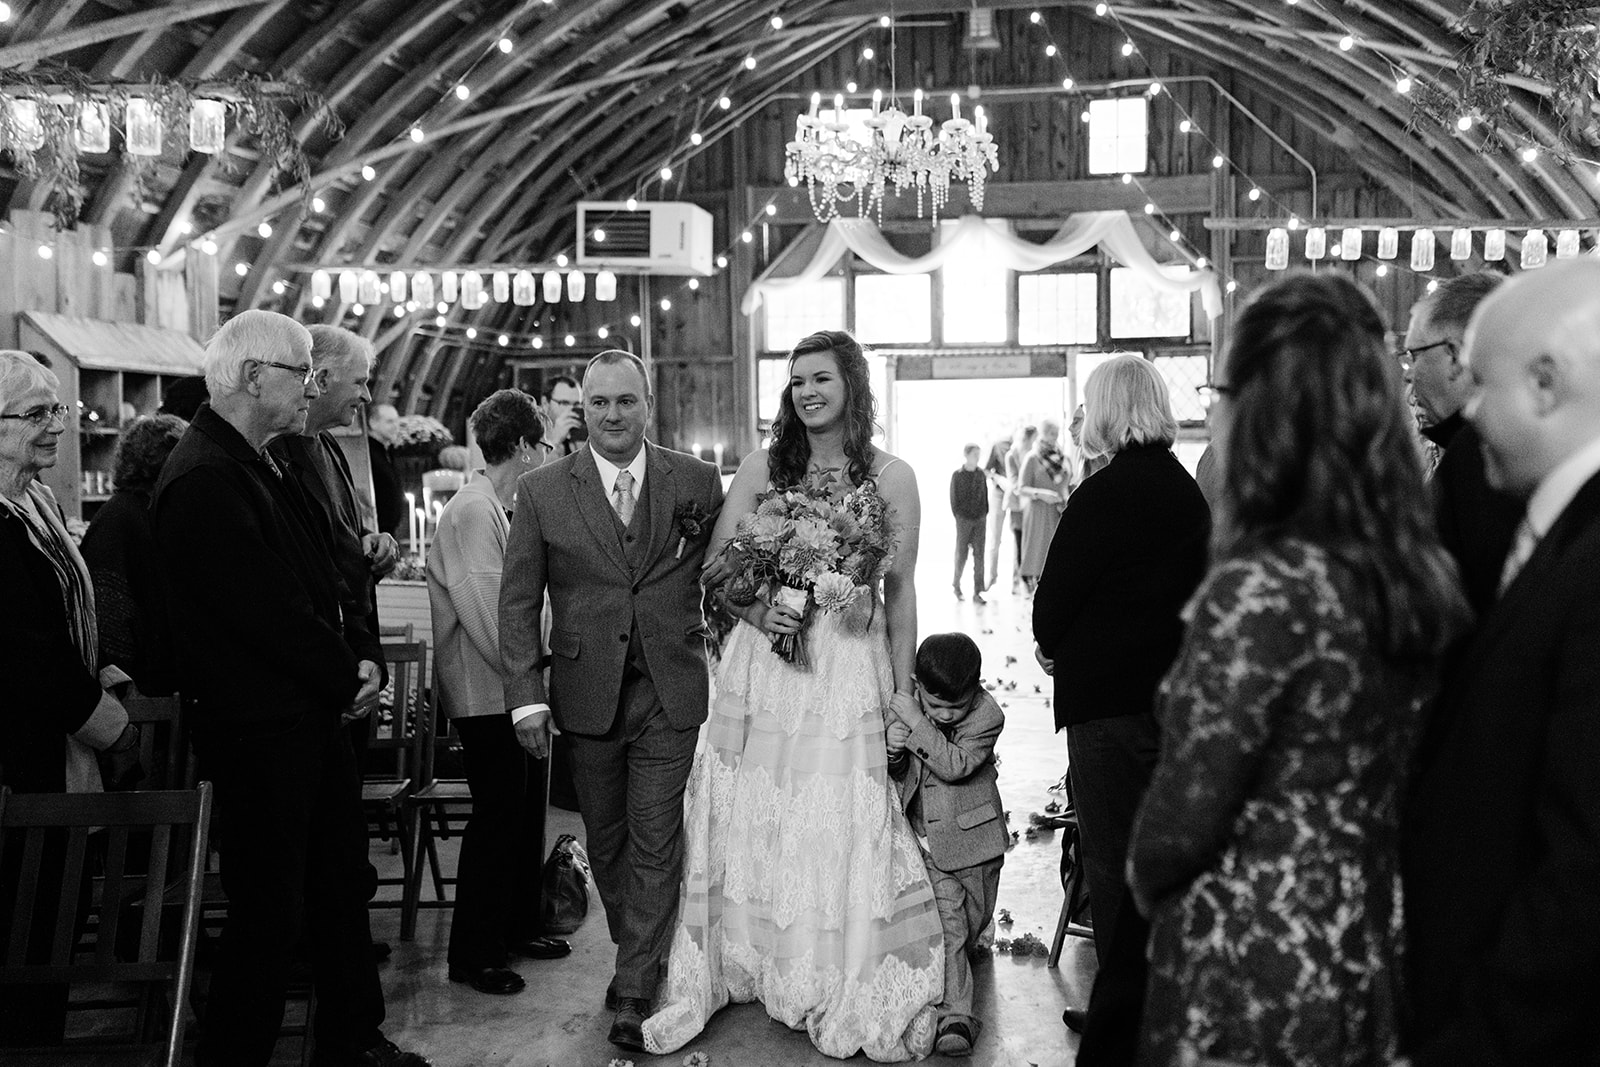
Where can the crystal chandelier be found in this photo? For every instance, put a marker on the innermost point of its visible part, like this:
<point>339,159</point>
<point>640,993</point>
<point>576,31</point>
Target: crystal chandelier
<point>899,150</point>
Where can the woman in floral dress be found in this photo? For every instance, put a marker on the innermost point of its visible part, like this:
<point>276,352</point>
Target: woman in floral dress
<point>1266,850</point>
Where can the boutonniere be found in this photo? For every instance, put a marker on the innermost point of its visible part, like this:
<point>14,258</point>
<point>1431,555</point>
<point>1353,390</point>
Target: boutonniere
<point>689,520</point>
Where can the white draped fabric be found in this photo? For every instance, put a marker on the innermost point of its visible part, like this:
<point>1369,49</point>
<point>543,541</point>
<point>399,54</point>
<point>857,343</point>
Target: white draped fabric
<point>974,237</point>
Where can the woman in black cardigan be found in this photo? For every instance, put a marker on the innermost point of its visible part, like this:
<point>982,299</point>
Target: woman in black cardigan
<point>1129,552</point>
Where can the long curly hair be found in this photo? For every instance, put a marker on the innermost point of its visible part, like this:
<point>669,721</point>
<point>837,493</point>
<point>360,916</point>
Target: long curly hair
<point>1319,447</point>
<point>790,453</point>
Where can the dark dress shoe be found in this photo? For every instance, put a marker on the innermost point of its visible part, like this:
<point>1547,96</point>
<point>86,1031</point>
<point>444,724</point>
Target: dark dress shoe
<point>496,981</point>
<point>381,951</point>
<point>627,1029</point>
<point>542,948</point>
<point>383,1054</point>
<point>1075,1018</point>
<point>954,1039</point>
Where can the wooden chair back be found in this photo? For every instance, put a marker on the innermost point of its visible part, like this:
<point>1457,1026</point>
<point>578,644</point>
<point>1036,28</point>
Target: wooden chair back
<point>393,730</point>
<point>46,858</point>
<point>403,631</point>
<point>163,745</point>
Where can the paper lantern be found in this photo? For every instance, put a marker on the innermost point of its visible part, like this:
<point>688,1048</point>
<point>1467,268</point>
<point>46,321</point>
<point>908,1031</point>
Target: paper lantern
<point>1278,249</point>
<point>208,127</point>
<point>27,126</point>
<point>1350,243</point>
<point>447,287</point>
<point>397,286</point>
<point>422,287</point>
<point>1494,245</point>
<point>502,286</point>
<point>524,292</point>
<point>368,291</point>
<point>1535,250</point>
<point>605,286</point>
<point>575,285</point>
<point>1422,250</point>
<point>91,128</point>
<point>472,290</point>
<point>143,127</point>
<point>1460,244</point>
<point>1316,243</point>
<point>1388,243</point>
<point>321,284</point>
<point>552,287</point>
<point>1567,244</point>
<point>348,286</point>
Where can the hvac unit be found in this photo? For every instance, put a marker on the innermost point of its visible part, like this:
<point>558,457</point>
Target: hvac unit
<point>667,237</point>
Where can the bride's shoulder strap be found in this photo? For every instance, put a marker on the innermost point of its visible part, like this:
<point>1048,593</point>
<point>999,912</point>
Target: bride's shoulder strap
<point>881,471</point>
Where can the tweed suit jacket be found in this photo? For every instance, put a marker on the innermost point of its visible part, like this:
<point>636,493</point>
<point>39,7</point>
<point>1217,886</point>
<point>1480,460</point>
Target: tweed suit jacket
<point>564,540</point>
<point>955,778</point>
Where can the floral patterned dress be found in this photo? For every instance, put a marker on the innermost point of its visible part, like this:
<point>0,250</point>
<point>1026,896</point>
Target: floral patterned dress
<point>1269,837</point>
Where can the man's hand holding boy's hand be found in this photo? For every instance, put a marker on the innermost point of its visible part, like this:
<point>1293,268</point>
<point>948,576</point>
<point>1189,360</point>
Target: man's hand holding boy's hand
<point>897,734</point>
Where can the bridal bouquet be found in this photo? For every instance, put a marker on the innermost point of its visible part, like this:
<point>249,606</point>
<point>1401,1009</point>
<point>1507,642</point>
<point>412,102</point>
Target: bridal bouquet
<point>822,546</point>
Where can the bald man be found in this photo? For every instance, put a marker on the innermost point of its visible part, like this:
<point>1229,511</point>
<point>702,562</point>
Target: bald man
<point>1501,842</point>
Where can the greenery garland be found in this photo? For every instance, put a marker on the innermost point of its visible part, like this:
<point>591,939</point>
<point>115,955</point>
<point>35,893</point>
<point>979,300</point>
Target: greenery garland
<point>262,108</point>
<point>1553,42</point>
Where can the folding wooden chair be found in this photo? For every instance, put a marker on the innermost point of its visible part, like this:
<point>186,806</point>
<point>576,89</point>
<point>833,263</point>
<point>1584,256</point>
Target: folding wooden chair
<point>393,756</point>
<point>404,631</point>
<point>163,745</point>
<point>439,806</point>
<point>1075,890</point>
<point>45,856</point>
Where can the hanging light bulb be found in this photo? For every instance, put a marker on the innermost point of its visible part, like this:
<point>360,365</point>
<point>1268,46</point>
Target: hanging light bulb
<point>867,54</point>
<point>695,138</point>
<point>694,285</point>
<point>1050,50</point>
<point>633,203</point>
<point>358,310</point>
<point>1127,48</point>
<point>503,340</point>
<point>367,173</point>
<point>1217,162</point>
<point>747,237</point>
<point>1255,193</point>
<point>1382,271</point>
<point>749,62</point>
<point>569,340</point>
<point>472,333</point>
<point>1464,123</point>
<point>100,258</point>
<point>1067,83</point>
<point>725,103</point>
<point>1185,126</point>
<point>666,305</point>
<point>279,288</point>
<point>462,92</point>
<point>265,229</point>
<point>185,227</point>
<point>634,320</point>
<point>561,259</point>
<point>505,45</point>
<point>777,22</point>
<point>318,204</point>
<point>416,135</point>
<point>1402,85</point>
<point>208,246</point>
<point>883,24</point>
<point>153,256</point>
<point>318,301</point>
<point>1346,43</point>
<point>241,269</point>
<point>1530,154</point>
<point>439,320</point>
<point>603,332</point>
<point>666,174</point>
<point>722,262</point>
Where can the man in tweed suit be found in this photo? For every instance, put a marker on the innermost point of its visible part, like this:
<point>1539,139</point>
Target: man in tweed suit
<point>616,534</point>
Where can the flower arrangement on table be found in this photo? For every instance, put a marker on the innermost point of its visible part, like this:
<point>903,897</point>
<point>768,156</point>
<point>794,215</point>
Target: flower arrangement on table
<point>821,546</point>
<point>421,435</point>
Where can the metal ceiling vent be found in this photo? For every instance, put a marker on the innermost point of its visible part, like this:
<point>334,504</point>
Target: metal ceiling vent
<point>980,29</point>
<point>663,237</point>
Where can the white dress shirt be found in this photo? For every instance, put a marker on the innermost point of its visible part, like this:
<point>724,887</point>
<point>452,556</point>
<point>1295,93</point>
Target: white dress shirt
<point>1547,503</point>
<point>608,482</point>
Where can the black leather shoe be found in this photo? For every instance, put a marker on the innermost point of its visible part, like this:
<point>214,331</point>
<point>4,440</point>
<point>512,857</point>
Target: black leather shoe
<point>955,1039</point>
<point>1075,1018</point>
<point>542,948</point>
<point>381,951</point>
<point>627,1029</point>
<point>383,1054</point>
<point>496,981</point>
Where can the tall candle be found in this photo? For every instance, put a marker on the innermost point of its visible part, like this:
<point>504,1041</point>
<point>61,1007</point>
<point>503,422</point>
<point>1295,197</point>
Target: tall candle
<point>411,520</point>
<point>421,518</point>
<point>983,120</point>
<point>816,102</point>
<point>916,102</point>
<point>838,108</point>
<point>716,450</point>
<point>955,106</point>
<point>877,100</point>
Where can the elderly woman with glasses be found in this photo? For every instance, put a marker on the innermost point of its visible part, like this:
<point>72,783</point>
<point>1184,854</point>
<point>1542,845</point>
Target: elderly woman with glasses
<point>499,908</point>
<point>56,714</point>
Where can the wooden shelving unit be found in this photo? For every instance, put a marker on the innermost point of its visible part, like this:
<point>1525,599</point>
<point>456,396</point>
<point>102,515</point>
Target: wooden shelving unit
<point>111,373</point>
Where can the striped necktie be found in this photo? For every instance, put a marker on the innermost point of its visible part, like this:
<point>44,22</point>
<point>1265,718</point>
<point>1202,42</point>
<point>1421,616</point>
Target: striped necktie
<point>622,497</point>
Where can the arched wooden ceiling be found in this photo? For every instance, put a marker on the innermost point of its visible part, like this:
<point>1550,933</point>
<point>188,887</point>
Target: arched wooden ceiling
<point>595,94</point>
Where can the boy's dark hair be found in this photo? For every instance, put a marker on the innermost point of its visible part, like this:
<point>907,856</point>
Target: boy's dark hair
<point>948,666</point>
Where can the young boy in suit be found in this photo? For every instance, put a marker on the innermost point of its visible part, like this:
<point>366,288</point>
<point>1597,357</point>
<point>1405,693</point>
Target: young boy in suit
<point>941,751</point>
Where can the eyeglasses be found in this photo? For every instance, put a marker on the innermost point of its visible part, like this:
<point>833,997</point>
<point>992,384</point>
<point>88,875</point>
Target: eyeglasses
<point>1408,356</point>
<point>307,372</point>
<point>1211,391</point>
<point>42,414</point>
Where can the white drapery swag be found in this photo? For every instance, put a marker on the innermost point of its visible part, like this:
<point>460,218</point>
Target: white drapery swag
<point>973,236</point>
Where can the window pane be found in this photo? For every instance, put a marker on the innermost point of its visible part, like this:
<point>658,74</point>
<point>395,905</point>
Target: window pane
<point>1058,309</point>
<point>1182,375</point>
<point>793,313</point>
<point>1083,366</point>
<point>1119,135</point>
<point>1137,310</point>
<point>975,291</point>
<point>894,308</point>
<point>772,376</point>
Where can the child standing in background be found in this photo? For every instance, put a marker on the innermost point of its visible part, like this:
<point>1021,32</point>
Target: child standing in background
<point>941,751</point>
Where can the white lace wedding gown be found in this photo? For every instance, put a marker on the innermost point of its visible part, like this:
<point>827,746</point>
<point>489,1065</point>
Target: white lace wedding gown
<point>803,887</point>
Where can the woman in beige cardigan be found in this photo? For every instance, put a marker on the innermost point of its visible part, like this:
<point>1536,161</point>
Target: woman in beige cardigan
<point>498,905</point>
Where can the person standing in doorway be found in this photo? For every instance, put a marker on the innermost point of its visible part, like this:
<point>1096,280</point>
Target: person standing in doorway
<point>383,428</point>
<point>969,503</point>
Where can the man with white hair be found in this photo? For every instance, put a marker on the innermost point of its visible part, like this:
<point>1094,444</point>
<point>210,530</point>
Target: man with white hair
<point>270,667</point>
<point>1501,837</point>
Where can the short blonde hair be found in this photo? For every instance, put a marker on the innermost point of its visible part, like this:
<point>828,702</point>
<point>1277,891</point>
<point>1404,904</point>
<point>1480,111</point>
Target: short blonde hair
<point>21,371</point>
<point>255,334</point>
<point>1126,403</point>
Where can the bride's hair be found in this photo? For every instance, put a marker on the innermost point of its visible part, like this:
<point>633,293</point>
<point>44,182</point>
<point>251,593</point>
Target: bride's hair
<point>790,453</point>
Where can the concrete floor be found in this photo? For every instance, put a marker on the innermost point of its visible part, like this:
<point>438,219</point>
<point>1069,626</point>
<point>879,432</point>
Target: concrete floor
<point>559,1020</point>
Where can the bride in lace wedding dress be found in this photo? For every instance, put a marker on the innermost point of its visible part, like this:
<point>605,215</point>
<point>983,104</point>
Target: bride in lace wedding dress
<point>803,886</point>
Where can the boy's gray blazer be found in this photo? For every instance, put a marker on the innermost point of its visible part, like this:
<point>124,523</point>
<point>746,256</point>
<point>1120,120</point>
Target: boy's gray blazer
<point>955,777</point>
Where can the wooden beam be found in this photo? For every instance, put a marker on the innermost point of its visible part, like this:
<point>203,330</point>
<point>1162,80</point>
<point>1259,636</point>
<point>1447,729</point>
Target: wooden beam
<point>15,55</point>
<point>1187,194</point>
